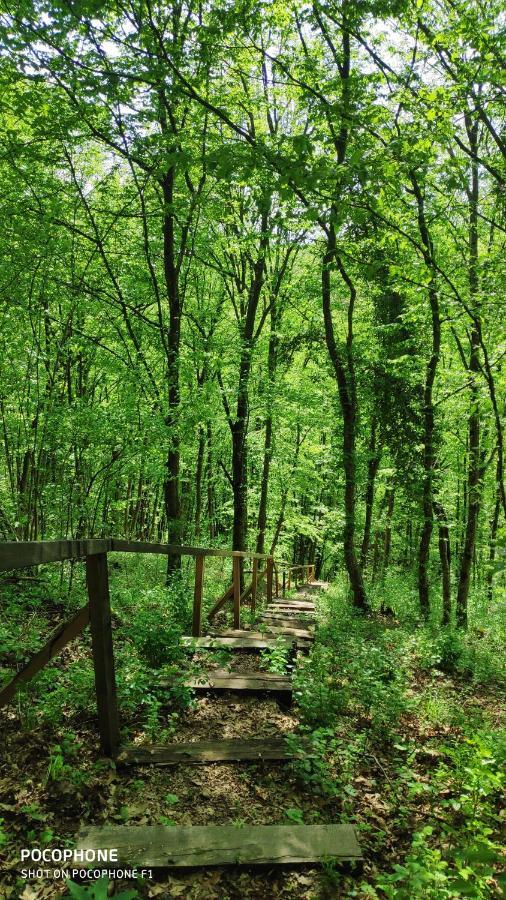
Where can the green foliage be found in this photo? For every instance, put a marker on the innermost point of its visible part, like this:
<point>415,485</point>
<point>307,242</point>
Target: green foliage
<point>98,890</point>
<point>275,659</point>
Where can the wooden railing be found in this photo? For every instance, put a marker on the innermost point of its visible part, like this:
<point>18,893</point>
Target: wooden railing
<point>97,611</point>
<point>307,571</point>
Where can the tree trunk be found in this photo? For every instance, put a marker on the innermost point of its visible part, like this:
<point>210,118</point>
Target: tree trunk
<point>374,457</point>
<point>171,486</point>
<point>347,396</point>
<point>474,423</point>
<point>445,560</point>
<point>429,454</point>
<point>268,446</point>
<point>494,524</point>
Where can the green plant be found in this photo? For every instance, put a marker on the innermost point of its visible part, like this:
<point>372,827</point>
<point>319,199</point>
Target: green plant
<point>97,891</point>
<point>295,815</point>
<point>275,659</point>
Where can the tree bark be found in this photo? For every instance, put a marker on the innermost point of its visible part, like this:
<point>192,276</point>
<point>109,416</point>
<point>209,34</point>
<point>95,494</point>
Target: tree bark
<point>445,560</point>
<point>345,378</point>
<point>372,469</point>
<point>429,454</point>
<point>268,444</point>
<point>474,420</point>
<point>171,485</point>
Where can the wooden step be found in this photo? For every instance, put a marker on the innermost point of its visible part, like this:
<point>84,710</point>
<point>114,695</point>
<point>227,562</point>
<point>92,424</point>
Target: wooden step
<point>285,621</point>
<point>162,846</point>
<point>201,752</point>
<point>241,641</point>
<point>229,681</point>
<point>293,635</point>
<point>296,607</point>
<point>306,633</point>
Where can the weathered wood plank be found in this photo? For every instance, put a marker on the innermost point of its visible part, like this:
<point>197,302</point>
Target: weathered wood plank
<point>237,591</point>
<point>242,642</point>
<point>59,639</point>
<point>97,582</point>
<point>160,846</point>
<point>20,554</point>
<point>295,605</point>
<point>220,602</point>
<point>197,594</point>
<point>301,637</point>
<point>201,752</point>
<point>120,546</point>
<point>285,621</point>
<point>229,681</point>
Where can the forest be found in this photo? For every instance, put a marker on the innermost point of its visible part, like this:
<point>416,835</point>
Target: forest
<point>252,380</point>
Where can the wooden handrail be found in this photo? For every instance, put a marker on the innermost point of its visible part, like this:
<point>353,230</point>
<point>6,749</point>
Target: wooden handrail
<point>97,612</point>
<point>21,554</point>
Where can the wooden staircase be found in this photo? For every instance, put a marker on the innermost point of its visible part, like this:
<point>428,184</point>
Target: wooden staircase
<point>289,623</point>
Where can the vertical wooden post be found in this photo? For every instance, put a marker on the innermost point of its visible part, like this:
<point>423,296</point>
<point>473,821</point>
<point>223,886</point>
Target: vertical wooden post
<point>237,591</point>
<point>289,578</point>
<point>97,582</point>
<point>254,583</point>
<point>270,566</point>
<point>276,581</point>
<point>284,582</point>
<point>197,594</point>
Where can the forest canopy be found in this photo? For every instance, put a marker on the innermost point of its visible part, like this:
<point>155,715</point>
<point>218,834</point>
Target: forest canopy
<point>251,283</point>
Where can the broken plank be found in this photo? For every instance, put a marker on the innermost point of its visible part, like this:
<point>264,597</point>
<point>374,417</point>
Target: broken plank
<point>289,604</point>
<point>292,635</point>
<point>285,621</point>
<point>303,633</point>
<point>230,681</point>
<point>161,846</point>
<point>200,752</point>
<point>244,642</point>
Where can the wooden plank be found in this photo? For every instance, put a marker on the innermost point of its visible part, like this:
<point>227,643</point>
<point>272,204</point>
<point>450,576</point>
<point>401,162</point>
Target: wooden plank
<point>229,681</point>
<point>295,605</point>
<point>59,639</point>
<point>103,657</point>
<point>221,602</point>
<point>237,591</point>
<point>119,546</point>
<point>293,636</point>
<point>243,642</point>
<point>269,568</point>
<point>201,752</point>
<point>161,846</point>
<point>287,621</point>
<point>296,632</point>
<point>197,594</point>
<point>254,585</point>
<point>20,554</point>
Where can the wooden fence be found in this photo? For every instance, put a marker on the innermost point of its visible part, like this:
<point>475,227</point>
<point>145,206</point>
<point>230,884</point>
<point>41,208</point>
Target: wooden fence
<point>97,611</point>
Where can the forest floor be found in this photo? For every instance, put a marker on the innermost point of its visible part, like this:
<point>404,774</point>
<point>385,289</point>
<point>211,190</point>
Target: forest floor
<point>407,742</point>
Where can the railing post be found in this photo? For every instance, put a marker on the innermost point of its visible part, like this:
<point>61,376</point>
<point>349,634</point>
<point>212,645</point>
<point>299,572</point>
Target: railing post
<point>289,578</point>
<point>276,580</point>
<point>284,582</point>
<point>254,583</point>
<point>97,582</point>
<point>237,591</point>
<point>197,594</point>
<point>270,567</point>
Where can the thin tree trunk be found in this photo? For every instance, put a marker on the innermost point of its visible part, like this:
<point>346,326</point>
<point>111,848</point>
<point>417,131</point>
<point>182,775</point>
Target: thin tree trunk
<point>445,561</point>
<point>474,420</point>
<point>268,446</point>
<point>374,456</point>
<point>347,396</point>
<point>429,455</point>
<point>171,485</point>
<point>494,524</point>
